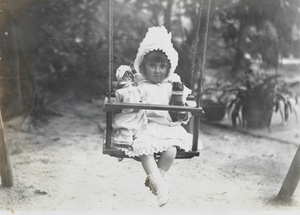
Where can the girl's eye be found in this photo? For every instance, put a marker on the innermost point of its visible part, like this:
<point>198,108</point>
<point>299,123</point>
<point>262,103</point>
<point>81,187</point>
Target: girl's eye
<point>163,66</point>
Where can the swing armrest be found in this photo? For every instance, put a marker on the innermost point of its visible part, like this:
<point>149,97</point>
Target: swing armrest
<point>113,106</point>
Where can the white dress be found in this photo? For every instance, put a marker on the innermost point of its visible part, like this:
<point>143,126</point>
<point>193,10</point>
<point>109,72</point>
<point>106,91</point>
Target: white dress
<point>128,123</point>
<point>160,133</point>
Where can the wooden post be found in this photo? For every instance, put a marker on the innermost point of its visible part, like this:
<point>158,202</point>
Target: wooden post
<point>108,144</point>
<point>195,133</point>
<point>5,166</point>
<point>291,180</point>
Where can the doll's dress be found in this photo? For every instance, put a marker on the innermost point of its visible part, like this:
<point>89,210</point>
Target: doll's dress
<point>128,123</point>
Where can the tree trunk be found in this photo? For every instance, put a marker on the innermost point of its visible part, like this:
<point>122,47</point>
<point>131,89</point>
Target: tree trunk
<point>5,165</point>
<point>12,9</point>
<point>168,15</point>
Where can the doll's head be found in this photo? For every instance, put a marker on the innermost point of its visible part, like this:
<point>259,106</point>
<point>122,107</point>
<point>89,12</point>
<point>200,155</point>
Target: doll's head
<point>128,77</point>
<point>155,66</point>
<point>125,77</point>
<point>177,88</point>
<point>124,74</point>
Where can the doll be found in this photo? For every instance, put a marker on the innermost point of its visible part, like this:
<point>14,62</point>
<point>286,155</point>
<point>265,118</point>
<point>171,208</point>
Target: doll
<point>124,77</point>
<point>177,99</point>
<point>128,122</point>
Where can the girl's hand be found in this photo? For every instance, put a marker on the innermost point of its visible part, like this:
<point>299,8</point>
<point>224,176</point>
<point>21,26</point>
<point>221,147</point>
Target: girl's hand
<point>182,115</point>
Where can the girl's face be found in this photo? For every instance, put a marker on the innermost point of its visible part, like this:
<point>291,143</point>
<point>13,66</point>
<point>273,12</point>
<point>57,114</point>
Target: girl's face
<point>156,66</point>
<point>156,72</point>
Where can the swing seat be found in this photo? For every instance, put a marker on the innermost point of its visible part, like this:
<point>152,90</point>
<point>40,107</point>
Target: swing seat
<point>113,152</point>
<point>111,106</point>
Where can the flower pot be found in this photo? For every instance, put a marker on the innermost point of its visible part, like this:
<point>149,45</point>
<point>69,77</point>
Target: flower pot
<point>213,111</point>
<point>258,118</point>
<point>257,108</point>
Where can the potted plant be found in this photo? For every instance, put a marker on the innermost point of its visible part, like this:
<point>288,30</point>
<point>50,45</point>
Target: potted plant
<point>256,100</point>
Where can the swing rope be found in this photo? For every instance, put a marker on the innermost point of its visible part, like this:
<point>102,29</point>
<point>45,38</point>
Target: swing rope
<point>202,63</point>
<point>110,47</point>
<point>196,53</point>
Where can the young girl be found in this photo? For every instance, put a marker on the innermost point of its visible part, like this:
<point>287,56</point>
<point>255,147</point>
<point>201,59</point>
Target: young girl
<point>155,64</point>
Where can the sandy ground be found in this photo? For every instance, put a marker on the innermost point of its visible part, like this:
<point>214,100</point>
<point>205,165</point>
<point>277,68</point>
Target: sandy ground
<point>60,168</point>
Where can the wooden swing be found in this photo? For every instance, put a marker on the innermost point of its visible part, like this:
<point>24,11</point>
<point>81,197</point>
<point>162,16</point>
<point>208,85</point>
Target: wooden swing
<point>110,105</point>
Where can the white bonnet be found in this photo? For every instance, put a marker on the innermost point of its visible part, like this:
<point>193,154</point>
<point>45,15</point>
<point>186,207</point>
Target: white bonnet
<point>121,71</point>
<point>157,38</point>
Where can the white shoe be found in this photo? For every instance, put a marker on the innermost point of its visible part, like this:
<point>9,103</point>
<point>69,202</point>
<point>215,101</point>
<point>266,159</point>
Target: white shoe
<point>158,185</point>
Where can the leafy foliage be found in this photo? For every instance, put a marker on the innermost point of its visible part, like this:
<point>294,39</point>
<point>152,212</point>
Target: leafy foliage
<point>62,45</point>
<point>253,30</point>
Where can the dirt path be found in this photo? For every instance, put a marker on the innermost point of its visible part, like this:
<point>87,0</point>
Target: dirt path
<point>61,167</point>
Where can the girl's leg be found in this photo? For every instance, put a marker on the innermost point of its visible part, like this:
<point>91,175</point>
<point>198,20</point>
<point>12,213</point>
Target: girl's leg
<point>149,164</point>
<point>156,182</point>
<point>166,159</point>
